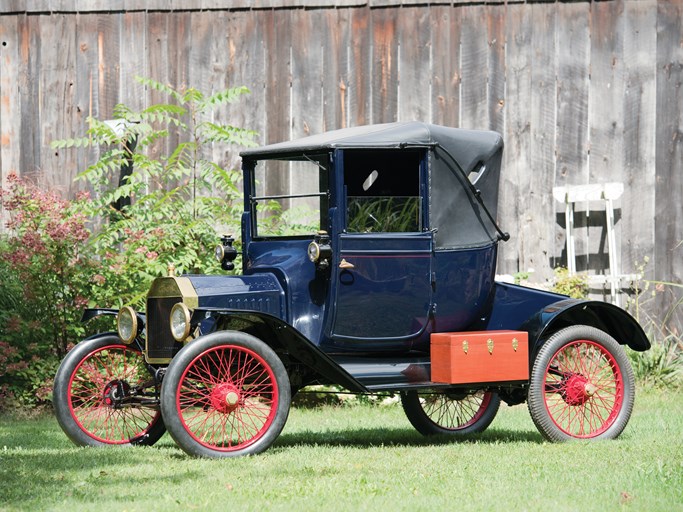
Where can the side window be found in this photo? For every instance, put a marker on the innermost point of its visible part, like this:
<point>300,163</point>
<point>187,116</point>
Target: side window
<point>291,196</point>
<point>382,191</point>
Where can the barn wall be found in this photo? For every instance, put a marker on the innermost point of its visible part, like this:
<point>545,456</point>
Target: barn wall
<point>583,92</point>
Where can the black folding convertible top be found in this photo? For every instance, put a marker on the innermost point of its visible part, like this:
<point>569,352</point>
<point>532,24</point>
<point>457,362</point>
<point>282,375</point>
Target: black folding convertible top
<point>455,154</point>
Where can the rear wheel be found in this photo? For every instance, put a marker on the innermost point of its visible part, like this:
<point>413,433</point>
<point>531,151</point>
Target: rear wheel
<point>225,394</point>
<point>452,413</point>
<point>581,386</point>
<point>105,395</point>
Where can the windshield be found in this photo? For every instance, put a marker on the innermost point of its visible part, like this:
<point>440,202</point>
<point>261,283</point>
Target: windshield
<point>291,196</point>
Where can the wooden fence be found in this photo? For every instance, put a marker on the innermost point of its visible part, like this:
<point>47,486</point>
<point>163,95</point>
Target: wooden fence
<point>583,92</point>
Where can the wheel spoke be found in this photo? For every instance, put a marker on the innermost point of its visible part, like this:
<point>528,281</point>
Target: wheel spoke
<point>99,395</point>
<point>454,414</point>
<point>583,389</point>
<point>213,419</point>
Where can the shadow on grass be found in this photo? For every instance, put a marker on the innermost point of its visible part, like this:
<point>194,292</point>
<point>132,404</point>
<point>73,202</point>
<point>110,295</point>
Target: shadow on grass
<point>370,438</point>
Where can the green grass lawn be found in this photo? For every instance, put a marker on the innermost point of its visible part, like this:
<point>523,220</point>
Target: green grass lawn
<point>359,458</point>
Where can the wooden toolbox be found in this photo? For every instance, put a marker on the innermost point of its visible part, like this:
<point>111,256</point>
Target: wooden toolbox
<point>479,357</point>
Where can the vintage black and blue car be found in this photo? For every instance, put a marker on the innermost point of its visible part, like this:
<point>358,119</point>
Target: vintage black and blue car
<point>383,280</point>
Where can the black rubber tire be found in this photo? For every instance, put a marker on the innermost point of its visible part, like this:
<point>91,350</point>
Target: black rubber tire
<point>581,386</point>
<point>94,422</point>
<point>456,414</point>
<point>199,415</point>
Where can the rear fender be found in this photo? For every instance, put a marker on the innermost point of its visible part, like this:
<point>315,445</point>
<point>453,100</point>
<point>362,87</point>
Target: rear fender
<point>280,336</point>
<point>609,318</point>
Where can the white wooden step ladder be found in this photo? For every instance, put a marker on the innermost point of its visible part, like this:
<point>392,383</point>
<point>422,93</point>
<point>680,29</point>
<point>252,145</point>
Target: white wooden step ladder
<point>607,192</point>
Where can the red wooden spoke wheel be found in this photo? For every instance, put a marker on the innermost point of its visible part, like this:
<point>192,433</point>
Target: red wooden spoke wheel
<point>454,413</point>
<point>225,394</point>
<point>104,395</point>
<point>582,386</point>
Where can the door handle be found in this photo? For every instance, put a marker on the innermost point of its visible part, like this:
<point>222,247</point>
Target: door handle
<point>346,265</point>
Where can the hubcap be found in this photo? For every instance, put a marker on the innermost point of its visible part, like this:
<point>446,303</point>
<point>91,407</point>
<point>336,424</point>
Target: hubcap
<point>232,398</point>
<point>577,390</point>
<point>225,397</point>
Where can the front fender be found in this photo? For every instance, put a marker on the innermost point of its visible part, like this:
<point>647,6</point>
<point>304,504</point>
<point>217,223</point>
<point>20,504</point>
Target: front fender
<point>609,318</point>
<point>280,336</point>
<point>90,313</point>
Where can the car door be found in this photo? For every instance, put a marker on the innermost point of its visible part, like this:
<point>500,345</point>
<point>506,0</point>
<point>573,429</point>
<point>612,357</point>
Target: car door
<point>382,276</point>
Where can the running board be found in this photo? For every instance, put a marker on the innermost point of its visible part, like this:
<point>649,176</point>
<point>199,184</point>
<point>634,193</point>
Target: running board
<point>387,373</point>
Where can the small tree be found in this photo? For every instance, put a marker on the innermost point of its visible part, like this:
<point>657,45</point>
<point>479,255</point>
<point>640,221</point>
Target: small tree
<point>177,203</point>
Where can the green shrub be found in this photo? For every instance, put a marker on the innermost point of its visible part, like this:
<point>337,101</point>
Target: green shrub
<point>576,285</point>
<point>662,365</point>
<point>44,287</point>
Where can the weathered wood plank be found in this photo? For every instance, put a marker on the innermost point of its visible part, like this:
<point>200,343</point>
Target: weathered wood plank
<point>384,77</point>
<point>158,27</point>
<point>278,34</point>
<point>572,94</point>
<point>108,61</point>
<point>669,154</point>
<point>307,76</point>
<point>606,120</point>
<point>495,91</point>
<point>474,69</point>
<point>445,32</point>
<point>29,35</point>
<point>200,75</point>
<point>13,7</point>
<point>307,70</point>
<point>573,85</point>
<point>12,51</point>
<point>537,206</point>
<point>336,42</point>
<point>517,173</point>
<point>103,6</point>
<point>414,65</point>
<point>56,101</point>
<point>87,92</point>
<point>134,60</point>
<point>360,69</point>
<point>200,54</point>
<point>179,45</point>
<point>638,202</point>
<point>239,60</point>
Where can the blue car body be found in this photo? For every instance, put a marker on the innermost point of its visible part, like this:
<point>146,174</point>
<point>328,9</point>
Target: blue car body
<point>363,316</point>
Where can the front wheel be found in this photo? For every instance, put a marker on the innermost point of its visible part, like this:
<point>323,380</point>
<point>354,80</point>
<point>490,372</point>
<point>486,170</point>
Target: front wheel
<point>451,413</point>
<point>105,395</point>
<point>581,386</point>
<point>225,394</point>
